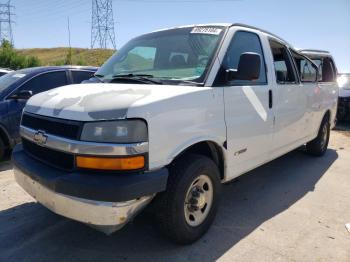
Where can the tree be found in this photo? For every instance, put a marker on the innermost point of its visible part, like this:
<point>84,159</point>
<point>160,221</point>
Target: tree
<point>9,58</point>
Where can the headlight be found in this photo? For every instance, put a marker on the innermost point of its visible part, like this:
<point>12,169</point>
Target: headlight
<point>119,131</point>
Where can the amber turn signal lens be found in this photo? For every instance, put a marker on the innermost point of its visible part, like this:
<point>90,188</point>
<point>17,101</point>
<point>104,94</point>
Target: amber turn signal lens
<point>104,163</point>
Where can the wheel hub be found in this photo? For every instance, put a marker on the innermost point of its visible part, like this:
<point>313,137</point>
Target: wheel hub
<point>198,200</point>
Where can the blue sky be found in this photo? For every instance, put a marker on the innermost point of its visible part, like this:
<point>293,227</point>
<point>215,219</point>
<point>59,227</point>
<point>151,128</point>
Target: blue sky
<point>321,24</point>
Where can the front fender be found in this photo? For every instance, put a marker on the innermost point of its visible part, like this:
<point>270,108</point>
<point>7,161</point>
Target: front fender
<point>179,120</point>
<point>183,147</point>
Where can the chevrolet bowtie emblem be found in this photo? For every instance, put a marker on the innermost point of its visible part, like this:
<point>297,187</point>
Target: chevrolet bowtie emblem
<point>40,137</point>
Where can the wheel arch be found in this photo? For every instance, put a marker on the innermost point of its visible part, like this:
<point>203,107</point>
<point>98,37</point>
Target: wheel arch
<point>327,115</point>
<point>210,149</point>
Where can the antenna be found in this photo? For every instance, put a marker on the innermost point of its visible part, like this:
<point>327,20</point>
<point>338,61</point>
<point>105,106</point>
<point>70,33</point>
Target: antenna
<point>68,24</point>
<point>6,22</point>
<point>102,24</point>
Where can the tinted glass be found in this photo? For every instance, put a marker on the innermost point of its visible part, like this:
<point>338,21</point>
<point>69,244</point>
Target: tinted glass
<point>306,69</point>
<point>9,79</point>
<point>170,55</point>
<point>46,82</point>
<point>283,65</point>
<point>80,76</point>
<point>243,42</point>
<point>326,69</point>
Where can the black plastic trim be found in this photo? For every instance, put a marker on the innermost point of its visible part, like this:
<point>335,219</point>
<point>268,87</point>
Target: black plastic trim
<point>97,186</point>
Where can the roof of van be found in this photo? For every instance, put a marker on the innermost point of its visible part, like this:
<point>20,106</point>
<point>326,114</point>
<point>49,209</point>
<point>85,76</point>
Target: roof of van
<point>229,25</point>
<point>314,52</point>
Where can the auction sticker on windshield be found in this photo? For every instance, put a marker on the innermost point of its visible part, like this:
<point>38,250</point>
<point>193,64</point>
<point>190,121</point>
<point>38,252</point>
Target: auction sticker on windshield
<point>206,30</point>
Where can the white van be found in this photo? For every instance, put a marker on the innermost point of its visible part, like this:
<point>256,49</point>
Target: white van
<point>175,114</point>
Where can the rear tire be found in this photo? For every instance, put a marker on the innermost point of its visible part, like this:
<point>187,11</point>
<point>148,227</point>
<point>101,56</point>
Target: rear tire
<point>186,210</point>
<point>2,150</point>
<point>318,146</point>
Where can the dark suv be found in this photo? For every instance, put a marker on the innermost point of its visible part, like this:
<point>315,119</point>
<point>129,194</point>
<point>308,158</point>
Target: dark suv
<point>17,87</point>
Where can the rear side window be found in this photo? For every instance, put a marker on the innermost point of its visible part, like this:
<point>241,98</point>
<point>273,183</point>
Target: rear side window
<point>46,82</point>
<point>80,76</point>
<point>243,42</point>
<point>307,71</point>
<point>282,63</point>
<point>326,69</point>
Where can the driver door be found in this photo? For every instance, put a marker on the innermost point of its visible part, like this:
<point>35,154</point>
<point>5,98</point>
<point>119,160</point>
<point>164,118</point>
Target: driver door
<point>248,110</point>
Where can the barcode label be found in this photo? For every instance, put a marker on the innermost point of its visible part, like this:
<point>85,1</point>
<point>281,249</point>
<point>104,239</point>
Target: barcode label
<point>206,30</point>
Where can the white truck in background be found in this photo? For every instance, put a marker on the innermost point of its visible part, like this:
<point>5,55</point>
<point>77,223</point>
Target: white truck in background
<point>344,97</point>
<point>173,115</point>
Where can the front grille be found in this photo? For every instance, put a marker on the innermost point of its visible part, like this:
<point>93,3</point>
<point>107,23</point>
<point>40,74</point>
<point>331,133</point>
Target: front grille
<point>55,126</point>
<point>52,157</point>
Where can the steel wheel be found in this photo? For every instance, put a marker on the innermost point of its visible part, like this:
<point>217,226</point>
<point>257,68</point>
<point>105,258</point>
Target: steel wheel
<point>198,201</point>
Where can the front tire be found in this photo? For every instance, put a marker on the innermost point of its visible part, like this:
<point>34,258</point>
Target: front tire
<point>185,211</point>
<point>318,146</point>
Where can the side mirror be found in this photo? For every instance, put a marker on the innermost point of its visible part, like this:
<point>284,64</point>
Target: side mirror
<point>22,95</point>
<point>248,68</point>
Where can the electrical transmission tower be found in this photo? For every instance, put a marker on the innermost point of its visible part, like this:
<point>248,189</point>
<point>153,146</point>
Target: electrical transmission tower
<point>102,24</point>
<point>6,21</point>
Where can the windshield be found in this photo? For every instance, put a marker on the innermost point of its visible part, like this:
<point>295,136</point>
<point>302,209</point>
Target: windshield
<point>174,55</point>
<point>9,79</point>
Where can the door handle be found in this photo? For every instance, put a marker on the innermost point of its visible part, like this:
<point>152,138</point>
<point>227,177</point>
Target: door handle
<point>270,99</point>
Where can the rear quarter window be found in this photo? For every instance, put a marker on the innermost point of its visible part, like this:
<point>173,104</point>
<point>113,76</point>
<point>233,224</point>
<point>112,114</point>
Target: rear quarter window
<point>326,69</point>
<point>306,69</point>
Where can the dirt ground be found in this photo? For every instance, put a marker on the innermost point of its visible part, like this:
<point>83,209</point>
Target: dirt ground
<point>292,209</point>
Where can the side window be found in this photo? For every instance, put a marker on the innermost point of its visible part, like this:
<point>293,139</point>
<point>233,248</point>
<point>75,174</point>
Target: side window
<point>307,71</point>
<point>46,82</point>
<point>328,70</point>
<point>282,62</point>
<point>243,42</point>
<point>319,64</point>
<point>80,76</point>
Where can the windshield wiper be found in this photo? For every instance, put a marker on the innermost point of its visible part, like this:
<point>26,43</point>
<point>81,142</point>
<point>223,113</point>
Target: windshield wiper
<point>144,78</point>
<point>99,77</point>
<point>190,82</point>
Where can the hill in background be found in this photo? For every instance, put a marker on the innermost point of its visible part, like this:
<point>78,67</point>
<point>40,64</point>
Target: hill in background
<point>58,56</point>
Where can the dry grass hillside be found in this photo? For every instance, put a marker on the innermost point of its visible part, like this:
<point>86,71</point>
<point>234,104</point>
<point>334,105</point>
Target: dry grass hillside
<point>57,56</point>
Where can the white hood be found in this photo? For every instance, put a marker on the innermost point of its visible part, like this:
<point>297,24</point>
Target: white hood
<point>91,102</point>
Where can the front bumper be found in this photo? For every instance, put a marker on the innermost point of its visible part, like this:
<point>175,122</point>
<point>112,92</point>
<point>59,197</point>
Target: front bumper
<point>107,201</point>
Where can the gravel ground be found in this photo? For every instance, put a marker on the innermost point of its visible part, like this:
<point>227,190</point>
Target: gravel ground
<point>292,209</point>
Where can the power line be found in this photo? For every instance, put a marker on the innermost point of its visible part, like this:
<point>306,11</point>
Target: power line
<point>102,24</point>
<point>6,22</point>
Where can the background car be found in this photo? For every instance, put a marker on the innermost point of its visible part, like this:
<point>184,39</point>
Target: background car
<point>344,96</point>
<point>18,86</point>
<point>4,71</point>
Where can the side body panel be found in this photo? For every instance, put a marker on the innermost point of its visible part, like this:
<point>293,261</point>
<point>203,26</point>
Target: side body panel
<point>181,120</point>
<point>249,120</point>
